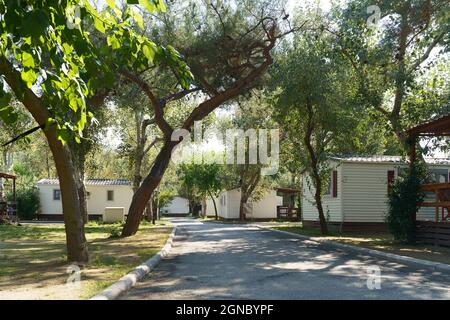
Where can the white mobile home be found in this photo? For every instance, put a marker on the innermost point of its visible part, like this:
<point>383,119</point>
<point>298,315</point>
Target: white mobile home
<point>101,193</point>
<point>357,196</point>
<point>177,207</point>
<point>229,202</point>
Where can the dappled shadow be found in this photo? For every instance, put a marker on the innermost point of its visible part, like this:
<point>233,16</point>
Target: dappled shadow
<point>214,261</point>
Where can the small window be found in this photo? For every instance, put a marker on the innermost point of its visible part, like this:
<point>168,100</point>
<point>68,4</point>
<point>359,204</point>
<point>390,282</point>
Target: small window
<point>88,195</point>
<point>390,179</point>
<point>110,195</point>
<point>335,184</point>
<point>57,194</point>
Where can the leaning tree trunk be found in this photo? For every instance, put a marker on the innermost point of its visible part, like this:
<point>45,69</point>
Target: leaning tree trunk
<point>148,186</point>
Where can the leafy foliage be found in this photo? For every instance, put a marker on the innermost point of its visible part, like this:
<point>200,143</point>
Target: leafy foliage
<point>65,63</point>
<point>402,202</point>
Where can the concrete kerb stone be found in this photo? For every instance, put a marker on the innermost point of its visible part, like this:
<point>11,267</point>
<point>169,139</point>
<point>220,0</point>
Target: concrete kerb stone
<point>129,281</point>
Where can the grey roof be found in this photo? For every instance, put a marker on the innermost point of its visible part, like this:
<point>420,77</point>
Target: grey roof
<point>91,182</point>
<point>388,159</point>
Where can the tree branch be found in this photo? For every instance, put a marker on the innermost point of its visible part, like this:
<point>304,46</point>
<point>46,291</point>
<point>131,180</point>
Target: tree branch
<point>425,56</point>
<point>161,122</point>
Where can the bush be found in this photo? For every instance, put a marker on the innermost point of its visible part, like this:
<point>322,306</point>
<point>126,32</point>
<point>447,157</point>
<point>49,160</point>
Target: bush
<point>27,202</point>
<point>402,205</point>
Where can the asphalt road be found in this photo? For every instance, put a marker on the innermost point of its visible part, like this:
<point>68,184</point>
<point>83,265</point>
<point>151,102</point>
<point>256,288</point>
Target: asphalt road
<point>218,261</point>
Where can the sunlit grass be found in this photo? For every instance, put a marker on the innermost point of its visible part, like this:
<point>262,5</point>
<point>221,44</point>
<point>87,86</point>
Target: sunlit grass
<point>35,256</point>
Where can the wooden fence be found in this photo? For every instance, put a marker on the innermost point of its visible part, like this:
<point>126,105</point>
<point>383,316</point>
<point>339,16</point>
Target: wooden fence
<point>287,213</point>
<point>433,233</point>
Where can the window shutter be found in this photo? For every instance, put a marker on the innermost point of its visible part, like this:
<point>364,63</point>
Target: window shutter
<point>390,179</point>
<point>335,184</point>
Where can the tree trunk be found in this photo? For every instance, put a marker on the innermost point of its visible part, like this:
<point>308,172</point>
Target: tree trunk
<point>204,208</point>
<point>82,194</point>
<point>243,201</point>
<point>155,208</point>
<point>77,250</point>
<point>215,206</point>
<point>146,189</point>
<point>148,211</point>
<point>315,171</point>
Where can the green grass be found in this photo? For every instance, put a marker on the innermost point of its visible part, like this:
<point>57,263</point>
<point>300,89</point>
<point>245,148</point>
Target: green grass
<point>34,256</point>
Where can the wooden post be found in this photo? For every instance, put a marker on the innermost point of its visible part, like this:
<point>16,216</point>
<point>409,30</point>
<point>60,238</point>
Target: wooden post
<point>437,205</point>
<point>14,193</point>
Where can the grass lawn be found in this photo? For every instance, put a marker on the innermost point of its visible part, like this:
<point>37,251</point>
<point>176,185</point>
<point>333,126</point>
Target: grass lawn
<point>33,259</point>
<point>383,242</point>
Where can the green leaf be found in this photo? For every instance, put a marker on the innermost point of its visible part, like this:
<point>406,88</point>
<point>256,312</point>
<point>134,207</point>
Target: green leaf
<point>27,60</point>
<point>113,42</point>
<point>149,51</point>
<point>8,115</point>
<point>99,25</point>
<point>35,23</point>
<point>5,98</point>
<point>148,4</point>
<point>29,76</point>
<point>139,20</point>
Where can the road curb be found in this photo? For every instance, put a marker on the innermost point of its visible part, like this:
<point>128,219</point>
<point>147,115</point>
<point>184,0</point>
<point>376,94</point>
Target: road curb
<point>129,281</point>
<point>437,266</point>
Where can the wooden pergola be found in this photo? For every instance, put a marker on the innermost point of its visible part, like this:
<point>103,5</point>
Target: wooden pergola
<point>287,212</point>
<point>13,178</point>
<point>439,127</point>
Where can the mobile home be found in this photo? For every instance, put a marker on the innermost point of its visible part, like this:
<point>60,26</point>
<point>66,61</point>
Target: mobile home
<point>101,193</point>
<point>357,195</point>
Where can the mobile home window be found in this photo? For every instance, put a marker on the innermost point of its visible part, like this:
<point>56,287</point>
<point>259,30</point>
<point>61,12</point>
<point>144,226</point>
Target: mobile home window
<point>439,176</point>
<point>390,179</point>
<point>56,194</point>
<point>110,195</point>
<point>335,184</point>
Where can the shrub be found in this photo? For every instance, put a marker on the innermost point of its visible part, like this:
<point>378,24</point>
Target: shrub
<point>27,202</point>
<point>402,204</point>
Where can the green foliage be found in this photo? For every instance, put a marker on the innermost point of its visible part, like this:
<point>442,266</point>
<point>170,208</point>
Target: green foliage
<point>28,202</point>
<point>204,179</point>
<point>165,197</point>
<point>27,194</point>
<point>58,55</point>
<point>402,202</point>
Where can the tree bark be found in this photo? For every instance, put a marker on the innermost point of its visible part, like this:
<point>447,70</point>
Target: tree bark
<point>148,186</point>
<point>204,208</point>
<point>77,250</point>
<point>216,215</point>
<point>315,170</point>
